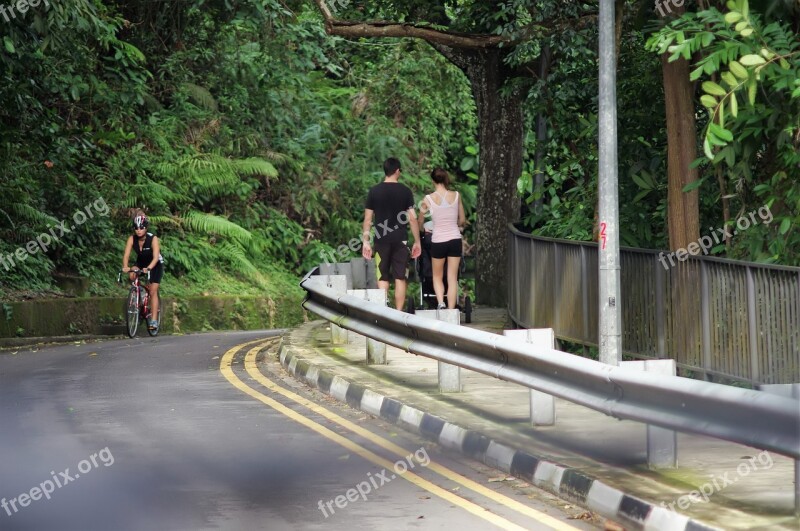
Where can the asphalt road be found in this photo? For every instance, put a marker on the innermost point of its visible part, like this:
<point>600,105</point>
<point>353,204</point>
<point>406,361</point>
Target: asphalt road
<point>175,433</point>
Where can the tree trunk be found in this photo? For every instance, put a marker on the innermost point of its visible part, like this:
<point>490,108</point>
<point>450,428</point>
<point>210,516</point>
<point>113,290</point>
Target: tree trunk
<point>683,211</point>
<point>500,137</point>
<point>500,122</point>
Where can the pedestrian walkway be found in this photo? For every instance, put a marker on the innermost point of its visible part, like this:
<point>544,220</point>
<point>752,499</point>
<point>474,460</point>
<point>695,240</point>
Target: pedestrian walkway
<point>601,461</point>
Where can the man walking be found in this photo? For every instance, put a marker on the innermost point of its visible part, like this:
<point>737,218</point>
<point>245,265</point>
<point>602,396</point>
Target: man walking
<point>391,206</point>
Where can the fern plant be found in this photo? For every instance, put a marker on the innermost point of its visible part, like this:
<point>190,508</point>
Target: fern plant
<point>210,176</point>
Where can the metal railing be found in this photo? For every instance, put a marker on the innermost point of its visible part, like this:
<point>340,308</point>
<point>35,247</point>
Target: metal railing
<point>744,416</point>
<point>715,317</point>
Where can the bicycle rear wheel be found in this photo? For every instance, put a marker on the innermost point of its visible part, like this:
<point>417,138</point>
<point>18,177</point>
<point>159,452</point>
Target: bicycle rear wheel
<point>154,332</point>
<point>132,313</point>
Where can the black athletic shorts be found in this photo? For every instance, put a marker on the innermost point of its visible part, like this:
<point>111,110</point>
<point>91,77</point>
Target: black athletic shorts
<point>156,273</point>
<point>445,249</point>
<point>394,259</point>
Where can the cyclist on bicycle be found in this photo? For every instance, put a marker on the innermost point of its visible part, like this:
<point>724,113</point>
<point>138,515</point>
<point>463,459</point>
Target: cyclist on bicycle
<point>148,258</point>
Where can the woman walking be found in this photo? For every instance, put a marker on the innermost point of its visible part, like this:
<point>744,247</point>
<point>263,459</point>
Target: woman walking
<point>448,217</point>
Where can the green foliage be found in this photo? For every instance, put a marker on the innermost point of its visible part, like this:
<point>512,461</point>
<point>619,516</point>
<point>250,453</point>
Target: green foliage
<point>751,68</point>
<point>240,129</point>
<point>568,100</point>
<point>250,137</point>
<point>429,97</point>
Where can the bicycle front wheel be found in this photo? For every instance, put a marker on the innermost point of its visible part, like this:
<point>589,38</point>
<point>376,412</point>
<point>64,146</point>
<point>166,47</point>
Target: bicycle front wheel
<point>132,313</point>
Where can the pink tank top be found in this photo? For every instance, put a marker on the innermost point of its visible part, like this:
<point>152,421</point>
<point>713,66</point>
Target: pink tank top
<point>445,219</point>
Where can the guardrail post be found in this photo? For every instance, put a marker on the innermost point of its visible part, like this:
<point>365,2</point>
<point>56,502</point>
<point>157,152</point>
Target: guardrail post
<point>789,391</point>
<point>662,444</point>
<point>449,375</point>
<point>543,406</point>
<point>376,351</point>
<point>338,283</point>
<point>338,269</point>
<point>364,274</point>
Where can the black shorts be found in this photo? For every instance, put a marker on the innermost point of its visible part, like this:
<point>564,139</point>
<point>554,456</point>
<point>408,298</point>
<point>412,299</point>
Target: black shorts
<point>449,248</point>
<point>394,259</point>
<point>156,273</point>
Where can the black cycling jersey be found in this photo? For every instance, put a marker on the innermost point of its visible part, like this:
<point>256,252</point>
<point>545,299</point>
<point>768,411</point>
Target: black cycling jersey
<point>144,255</point>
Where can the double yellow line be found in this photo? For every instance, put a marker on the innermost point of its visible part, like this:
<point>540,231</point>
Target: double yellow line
<point>253,372</point>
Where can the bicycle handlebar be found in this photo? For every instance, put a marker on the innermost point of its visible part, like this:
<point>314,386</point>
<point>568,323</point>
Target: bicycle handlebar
<point>138,271</point>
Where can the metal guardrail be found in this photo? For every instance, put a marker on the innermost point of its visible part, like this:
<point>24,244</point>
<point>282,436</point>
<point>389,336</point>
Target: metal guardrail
<point>715,317</point>
<point>744,416</point>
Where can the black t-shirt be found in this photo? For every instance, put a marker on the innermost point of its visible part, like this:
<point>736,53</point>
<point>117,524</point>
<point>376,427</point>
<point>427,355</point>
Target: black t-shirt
<point>390,201</point>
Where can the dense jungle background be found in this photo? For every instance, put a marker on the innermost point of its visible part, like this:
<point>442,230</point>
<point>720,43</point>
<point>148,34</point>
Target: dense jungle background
<point>250,134</point>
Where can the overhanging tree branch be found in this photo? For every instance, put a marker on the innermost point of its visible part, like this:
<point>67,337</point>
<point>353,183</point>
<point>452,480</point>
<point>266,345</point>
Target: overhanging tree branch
<point>344,28</point>
<point>450,39</point>
<point>393,29</point>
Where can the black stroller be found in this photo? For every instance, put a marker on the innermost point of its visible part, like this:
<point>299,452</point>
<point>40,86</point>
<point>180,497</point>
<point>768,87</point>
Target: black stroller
<point>423,266</point>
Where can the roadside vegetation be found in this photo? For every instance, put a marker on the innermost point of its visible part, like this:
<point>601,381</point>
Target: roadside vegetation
<point>250,136</point>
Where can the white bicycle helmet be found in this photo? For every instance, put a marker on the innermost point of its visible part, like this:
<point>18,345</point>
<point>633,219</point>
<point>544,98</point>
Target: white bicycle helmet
<point>140,222</point>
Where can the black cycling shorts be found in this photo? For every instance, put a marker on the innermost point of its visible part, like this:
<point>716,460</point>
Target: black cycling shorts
<point>394,259</point>
<point>449,248</point>
<point>156,273</point>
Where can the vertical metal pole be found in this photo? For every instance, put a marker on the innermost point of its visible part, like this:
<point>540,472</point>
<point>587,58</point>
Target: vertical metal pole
<point>661,341</point>
<point>558,282</point>
<point>536,291</point>
<point>585,297</point>
<point>795,346</point>
<point>516,285</point>
<point>752,331</point>
<point>705,315</point>
<point>608,258</point>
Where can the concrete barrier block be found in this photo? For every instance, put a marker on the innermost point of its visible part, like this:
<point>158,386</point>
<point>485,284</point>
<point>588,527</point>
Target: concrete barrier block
<point>543,406</point>
<point>376,351</point>
<point>364,273</point>
<point>449,375</point>
<point>662,444</point>
<point>338,283</point>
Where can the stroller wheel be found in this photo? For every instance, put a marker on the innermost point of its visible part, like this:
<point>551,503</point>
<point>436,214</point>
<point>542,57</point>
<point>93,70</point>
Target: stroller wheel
<point>467,309</point>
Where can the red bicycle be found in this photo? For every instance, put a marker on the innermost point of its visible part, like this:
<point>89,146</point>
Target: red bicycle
<point>138,305</point>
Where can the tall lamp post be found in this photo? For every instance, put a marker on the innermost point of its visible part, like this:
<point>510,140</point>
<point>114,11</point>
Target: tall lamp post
<point>608,243</point>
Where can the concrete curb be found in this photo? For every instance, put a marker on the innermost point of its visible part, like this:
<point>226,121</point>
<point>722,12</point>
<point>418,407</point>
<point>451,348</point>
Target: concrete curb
<point>565,482</point>
<point>23,342</point>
